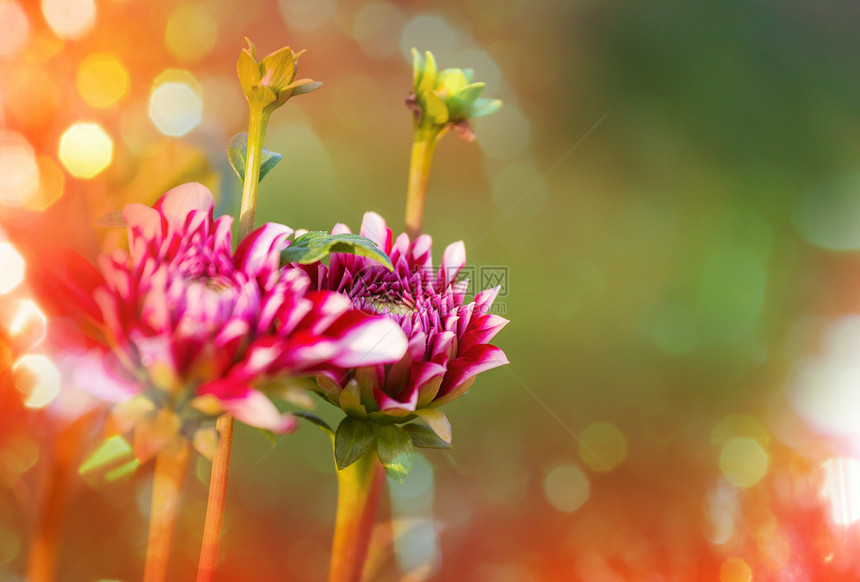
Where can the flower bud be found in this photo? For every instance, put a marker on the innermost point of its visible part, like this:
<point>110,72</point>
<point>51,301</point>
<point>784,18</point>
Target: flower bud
<point>270,82</point>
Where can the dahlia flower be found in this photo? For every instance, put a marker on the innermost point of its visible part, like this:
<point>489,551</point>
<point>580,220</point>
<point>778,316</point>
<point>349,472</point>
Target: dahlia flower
<point>448,338</point>
<point>196,330</point>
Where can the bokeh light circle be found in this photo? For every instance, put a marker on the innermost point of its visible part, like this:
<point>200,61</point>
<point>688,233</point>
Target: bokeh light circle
<point>566,488</point>
<point>11,268</point>
<point>38,379</point>
<point>14,28</point>
<point>102,80</point>
<point>176,104</point>
<point>191,32</point>
<point>19,172</point>
<point>377,27</point>
<point>69,19</point>
<point>85,150</point>
<point>602,446</point>
<point>744,462</point>
<point>735,570</point>
<point>306,15</point>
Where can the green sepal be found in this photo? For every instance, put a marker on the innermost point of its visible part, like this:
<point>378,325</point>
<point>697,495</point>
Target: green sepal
<point>428,75</point>
<point>313,246</point>
<point>350,400</point>
<point>317,421</point>
<point>435,108</point>
<point>396,452</point>
<point>437,421</point>
<point>424,437</point>
<point>460,103</point>
<point>237,153</point>
<point>417,68</point>
<point>483,106</point>
<point>303,86</point>
<point>351,440</point>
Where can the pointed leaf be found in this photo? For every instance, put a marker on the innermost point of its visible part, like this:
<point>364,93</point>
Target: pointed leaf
<point>316,420</point>
<point>351,440</point>
<point>278,69</point>
<point>237,153</point>
<point>482,107</point>
<point>424,437</point>
<point>437,421</point>
<point>113,450</point>
<point>313,246</point>
<point>395,449</point>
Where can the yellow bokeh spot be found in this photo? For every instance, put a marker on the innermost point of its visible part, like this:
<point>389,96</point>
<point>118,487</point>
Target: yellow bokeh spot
<point>102,80</point>
<point>739,426</point>
<point>69,19</point>
<point>744,462</point>
<point>38,380</point>
<point>566,488</point>
<point>602,446</point>
<point>86,150</point>
<point>735,570</point>
<point>176,104</point>
<point>191,32</point>
<point>19,173</point>
<point>11,268</point>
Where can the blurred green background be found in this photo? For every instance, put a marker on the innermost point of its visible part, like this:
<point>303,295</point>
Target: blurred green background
<point>672,192</point>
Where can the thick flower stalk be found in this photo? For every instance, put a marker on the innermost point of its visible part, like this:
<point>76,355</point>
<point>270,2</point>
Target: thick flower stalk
<point>196,330</point>
<point>441,100</point>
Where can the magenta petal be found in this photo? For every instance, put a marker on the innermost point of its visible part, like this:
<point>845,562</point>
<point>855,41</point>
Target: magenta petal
<point>254,254</point>
<point>471,363</point>
<point>102,375</point>
<point>453,261</point>
<point>249,405</point>
<point>368,340</point>
<point>178,202</point>
<point>482,330</point>
<point>374,227</point>
<point>387,403</point>
<point>143,222</point>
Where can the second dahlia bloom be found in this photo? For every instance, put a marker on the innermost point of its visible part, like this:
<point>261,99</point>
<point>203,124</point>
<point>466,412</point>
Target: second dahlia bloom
<point>194,329</point>
<point>448,338</point>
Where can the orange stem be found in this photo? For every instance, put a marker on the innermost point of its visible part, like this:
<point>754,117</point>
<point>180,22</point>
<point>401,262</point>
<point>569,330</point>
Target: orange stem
<point>170,468</point>
<point>217,501</point>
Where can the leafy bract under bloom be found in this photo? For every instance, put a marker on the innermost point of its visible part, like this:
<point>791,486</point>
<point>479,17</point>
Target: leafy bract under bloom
<point>448,340</point>
<point>195,329</point>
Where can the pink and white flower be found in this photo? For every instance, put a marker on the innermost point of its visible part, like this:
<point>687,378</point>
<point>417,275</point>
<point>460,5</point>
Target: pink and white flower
<point>448,338</point>
<point>194,329</point>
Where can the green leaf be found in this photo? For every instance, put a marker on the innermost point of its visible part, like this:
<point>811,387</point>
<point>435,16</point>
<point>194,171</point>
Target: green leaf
<point>395,449</point>
<point>111,452</point>
<point>424,437</point>
<point>316,420</point>
<point>237,153</point>
<point>313,246</point>
<point>435,108</point>
<point>482,107</point>
<point>351,440</point>
<point>437,421</point>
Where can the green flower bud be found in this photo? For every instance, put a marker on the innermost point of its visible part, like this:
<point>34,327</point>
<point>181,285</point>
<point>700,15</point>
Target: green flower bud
<point>270,82</point>
<point>447,98</point>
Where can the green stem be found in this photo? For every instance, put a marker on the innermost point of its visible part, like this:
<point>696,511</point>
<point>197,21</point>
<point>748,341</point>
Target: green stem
<point>419,176</point>
<point>221,462</point>
<point>256,132</point>
<point>170,468</point>
<point>358,490</point>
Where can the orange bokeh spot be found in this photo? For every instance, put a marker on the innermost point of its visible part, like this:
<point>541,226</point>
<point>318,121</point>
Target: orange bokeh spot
<point>11,268</point>
<point>102,80</point>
